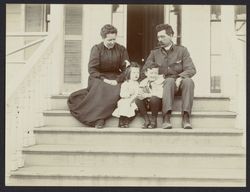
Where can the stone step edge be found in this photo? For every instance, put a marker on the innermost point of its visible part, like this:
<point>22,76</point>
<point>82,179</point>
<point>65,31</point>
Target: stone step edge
<point>169,174</point>
<point>113,130</point>
<point>194,114</point>
<point>177,97</point>
<point>218,151</point>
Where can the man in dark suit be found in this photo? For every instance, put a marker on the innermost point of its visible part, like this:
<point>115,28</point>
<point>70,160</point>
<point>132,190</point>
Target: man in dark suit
<point>178,68</point>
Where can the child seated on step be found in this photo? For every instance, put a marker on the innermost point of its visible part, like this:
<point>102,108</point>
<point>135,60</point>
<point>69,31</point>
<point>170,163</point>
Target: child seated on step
<point>129,89</point>
<point>150,94</point>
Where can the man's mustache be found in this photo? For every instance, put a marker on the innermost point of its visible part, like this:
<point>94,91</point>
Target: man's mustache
<point>160,44</point>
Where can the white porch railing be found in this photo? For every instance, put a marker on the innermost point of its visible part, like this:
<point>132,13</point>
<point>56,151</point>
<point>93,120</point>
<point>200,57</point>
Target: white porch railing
<point>27,96</point>
<point>26,46</point>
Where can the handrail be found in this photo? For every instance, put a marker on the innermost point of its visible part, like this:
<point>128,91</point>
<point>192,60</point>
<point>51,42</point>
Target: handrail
<point>26,46</point>
<point>26,34</point>
<point>19,78</point>
<point>17,62</point>
<point>241,40</point>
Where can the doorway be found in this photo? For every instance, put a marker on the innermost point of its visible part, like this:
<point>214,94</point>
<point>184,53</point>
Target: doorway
<point>141,35</point>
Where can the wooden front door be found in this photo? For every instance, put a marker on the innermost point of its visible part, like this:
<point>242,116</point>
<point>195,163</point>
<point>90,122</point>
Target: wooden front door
<point>141,35</point>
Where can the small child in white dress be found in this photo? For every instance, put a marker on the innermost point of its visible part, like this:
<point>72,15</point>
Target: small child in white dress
<point>129,89</point>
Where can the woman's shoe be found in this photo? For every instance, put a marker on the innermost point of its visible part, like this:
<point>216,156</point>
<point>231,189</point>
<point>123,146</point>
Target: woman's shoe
<point>99,124</point>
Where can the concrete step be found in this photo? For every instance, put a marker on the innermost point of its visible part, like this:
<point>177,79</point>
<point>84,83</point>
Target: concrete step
<point>200,103</point>
<point>199,119</point>
<point>137,136</point>
<point>89,176</point>
<point>119,157</point>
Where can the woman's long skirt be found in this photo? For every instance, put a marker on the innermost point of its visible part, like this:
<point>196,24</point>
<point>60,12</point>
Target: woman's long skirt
<point>96,102</point>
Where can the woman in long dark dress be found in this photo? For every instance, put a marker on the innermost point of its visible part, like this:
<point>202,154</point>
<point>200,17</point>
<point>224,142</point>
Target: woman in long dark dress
<point>92,106</point>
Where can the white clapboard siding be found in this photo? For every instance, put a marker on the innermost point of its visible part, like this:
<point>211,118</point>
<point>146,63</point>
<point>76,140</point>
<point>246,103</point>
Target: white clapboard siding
<point>72,43</point>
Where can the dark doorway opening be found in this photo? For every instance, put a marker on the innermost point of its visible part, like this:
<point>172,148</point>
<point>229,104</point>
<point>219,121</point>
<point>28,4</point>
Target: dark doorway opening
<point>141,35</point>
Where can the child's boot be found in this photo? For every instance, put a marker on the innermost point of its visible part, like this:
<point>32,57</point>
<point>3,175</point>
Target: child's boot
<point>121,121</point>
<point>126,122</point>
<point>146,122</point>
<point>153,122</point>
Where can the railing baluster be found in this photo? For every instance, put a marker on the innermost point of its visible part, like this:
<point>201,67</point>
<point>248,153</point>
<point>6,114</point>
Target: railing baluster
<point>13,141</point>
<point>31,139</point>
<point>41,96</point>
<point>19,130</point>
<point>48,81</point>
<point>8,136</point>
<point>27,106</point>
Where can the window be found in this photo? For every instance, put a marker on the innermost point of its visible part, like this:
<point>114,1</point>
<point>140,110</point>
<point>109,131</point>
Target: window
<point>72,43</point>
<point>175,22</point>
<point>215,49</point>
<point>240,22</point>
<point>36,17</point>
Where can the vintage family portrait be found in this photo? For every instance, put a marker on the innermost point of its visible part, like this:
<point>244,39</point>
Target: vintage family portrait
<point>125,95</point>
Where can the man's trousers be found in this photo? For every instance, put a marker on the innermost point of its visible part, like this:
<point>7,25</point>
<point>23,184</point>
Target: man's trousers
<point>186,90</point>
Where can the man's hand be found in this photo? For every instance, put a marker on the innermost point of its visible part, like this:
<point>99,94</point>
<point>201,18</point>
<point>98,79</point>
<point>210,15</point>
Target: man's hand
<point>111,82</point>
<point>178,82</point>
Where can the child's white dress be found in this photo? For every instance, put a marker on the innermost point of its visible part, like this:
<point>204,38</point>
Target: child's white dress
<point>125,107</point>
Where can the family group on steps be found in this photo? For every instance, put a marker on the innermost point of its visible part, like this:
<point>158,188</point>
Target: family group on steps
<point>120,87</point>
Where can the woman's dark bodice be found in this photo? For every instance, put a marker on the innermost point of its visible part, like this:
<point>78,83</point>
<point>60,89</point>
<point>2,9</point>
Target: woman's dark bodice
<point>107,63</point>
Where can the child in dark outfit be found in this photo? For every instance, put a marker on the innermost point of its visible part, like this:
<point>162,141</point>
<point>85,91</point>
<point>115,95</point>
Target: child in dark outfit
<point>150,93</point>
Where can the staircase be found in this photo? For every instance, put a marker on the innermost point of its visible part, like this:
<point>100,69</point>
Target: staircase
<point>67,153</point>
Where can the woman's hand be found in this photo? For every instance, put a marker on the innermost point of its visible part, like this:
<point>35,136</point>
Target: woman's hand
<point>127,63</point>
<point>111,82</point>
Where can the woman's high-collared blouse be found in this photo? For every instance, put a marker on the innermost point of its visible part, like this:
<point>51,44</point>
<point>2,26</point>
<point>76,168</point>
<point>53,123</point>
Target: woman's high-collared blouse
<point>108,63</point>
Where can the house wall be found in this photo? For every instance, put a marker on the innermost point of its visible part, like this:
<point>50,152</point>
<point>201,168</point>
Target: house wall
<point>94,17</point>
<point>196,37</point>
<point>14,23</point>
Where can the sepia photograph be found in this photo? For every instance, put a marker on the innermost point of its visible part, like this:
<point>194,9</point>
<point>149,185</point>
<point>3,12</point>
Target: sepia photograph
<point>150,95</point>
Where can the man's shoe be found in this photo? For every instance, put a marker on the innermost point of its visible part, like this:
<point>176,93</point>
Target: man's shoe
<point>99,124</point>
<point>166,122</point>
<point>186,121</point>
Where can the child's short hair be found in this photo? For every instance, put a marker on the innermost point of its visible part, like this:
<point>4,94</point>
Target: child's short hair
<point>151,66</point>
<point>128,69</point>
